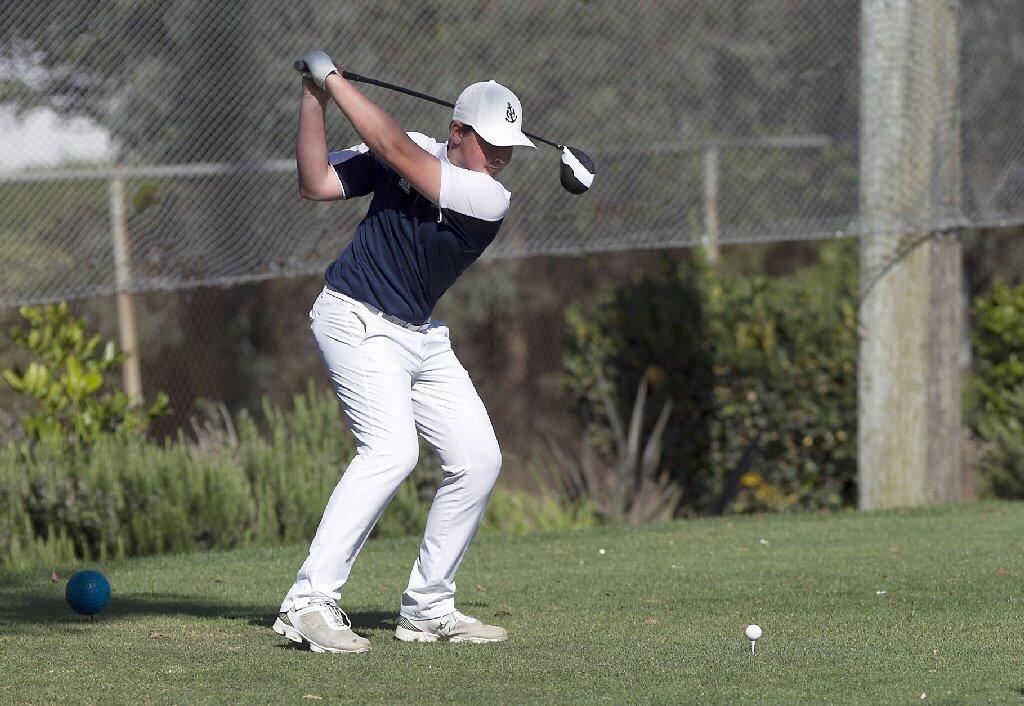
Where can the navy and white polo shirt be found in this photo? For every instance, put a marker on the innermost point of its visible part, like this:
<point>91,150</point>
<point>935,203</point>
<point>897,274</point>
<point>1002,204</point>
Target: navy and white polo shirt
<point>407,252</point>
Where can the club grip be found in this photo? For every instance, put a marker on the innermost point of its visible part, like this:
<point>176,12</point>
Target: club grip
<point>300,65</point>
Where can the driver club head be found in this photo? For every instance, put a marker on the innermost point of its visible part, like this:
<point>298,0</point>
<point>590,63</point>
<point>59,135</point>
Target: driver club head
<point>576,171</point>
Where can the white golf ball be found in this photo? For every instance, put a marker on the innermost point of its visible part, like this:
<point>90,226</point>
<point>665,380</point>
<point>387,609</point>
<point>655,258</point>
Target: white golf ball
<point>753,632</point>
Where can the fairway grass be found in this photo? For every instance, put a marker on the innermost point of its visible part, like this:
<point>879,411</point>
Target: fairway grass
<point>922,606</point>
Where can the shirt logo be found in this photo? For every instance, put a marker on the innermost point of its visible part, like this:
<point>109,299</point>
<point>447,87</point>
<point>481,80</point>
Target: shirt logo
<point>510,114</point>
<point>404,185</point>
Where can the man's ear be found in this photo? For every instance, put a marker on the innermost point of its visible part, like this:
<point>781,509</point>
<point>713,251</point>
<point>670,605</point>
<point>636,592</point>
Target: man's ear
<point>458,132</point>
<point>455,133</point>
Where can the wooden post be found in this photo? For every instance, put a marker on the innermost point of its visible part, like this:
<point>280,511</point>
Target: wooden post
<point>908,372</point>
<point>131,370</point>
<point>711,162</point>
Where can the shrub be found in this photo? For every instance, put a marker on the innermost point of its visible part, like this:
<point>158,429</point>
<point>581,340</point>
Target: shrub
<point>1001,462</point>
<point>761,372</point>
<point>66,380</point>
<point>239,482</point>
<point>512,511</point>
<point>653,331</point>
<point>997,416</point>
<point>628,484</point>
<point>998,343</point>
<point>293,460</point>
<point>785,394</point>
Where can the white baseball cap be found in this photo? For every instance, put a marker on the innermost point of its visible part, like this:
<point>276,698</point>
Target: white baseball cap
<point>494,112</point>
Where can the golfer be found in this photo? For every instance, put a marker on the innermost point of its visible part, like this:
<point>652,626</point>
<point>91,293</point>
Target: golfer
<point>436,206</point>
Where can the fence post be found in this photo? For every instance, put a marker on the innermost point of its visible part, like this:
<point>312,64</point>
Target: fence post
<point>908,372</point>
<point>131,370</point>
<point>711,161</point>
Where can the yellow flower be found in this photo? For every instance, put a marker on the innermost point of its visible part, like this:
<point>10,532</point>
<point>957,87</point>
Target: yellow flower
<point>750,479</point>
<point>655,375</point>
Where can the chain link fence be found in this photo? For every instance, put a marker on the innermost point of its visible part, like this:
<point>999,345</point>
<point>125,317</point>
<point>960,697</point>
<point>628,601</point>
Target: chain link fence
<point>711,122</point>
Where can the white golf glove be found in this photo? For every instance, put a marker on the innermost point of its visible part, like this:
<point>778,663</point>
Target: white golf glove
<point>318,66</point>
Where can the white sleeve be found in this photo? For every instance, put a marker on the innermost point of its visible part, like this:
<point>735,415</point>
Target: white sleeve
<point>472,193</point>
<point>428,144</point>
<point>339,156</point>
<point>358,169</point>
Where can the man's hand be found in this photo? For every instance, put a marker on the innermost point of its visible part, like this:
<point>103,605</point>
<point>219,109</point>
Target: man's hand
<point>318,66</point>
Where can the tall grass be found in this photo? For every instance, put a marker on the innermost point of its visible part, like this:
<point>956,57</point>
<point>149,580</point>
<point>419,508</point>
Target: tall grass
<point>237,481</point>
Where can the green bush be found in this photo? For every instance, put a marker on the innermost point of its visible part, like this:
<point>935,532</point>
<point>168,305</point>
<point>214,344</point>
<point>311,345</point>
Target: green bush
<point>1001,462</point>
<point>998,342</point>
<point>67,381</point>
<point>654,330</point>
<point>513,511</point>
<point>762,373</point>
<point>786,376</point>
<point>997,416</point>
<point>293,460</point>
<point>126,497</point>
<point>238,483</point>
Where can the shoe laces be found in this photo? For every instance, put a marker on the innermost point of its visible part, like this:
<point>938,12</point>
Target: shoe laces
<point>457,616</point>
<point>335,615</point>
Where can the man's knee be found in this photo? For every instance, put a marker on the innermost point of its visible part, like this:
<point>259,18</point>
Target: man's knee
<point>400,450</point>
<point>490,458</point>
<point>472,462</point>
<point>484,463</point>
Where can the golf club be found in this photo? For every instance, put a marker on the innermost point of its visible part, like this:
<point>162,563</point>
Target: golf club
<point>576,171</point>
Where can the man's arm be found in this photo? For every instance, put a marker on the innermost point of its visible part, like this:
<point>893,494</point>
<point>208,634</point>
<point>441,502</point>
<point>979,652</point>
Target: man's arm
<point>317,180</point>
<point>385,138</point>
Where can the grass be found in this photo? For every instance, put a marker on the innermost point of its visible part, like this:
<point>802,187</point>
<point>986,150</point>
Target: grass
<point>882,607</point>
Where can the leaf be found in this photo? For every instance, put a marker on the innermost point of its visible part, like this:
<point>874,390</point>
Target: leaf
<point>90,346</point>
<point>160,407</point>
<point>76,374</point>
<point>92,382</point>
<point>652,450</point>
<point>37,380</point>
<point>74,366</point>
<point>609,408</point>
<point>632,450</point>
<point>14,380</point>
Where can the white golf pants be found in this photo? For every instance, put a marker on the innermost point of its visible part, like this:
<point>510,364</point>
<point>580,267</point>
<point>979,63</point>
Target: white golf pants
<point>392,381</point>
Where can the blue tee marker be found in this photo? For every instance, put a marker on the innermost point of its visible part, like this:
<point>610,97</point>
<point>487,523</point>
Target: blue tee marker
<point>88,592</point>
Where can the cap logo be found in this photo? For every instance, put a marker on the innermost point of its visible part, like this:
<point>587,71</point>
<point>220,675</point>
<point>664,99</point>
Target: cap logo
<point>510,113</point>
